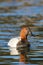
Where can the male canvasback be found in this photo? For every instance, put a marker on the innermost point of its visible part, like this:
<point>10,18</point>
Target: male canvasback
<point>18,43</point>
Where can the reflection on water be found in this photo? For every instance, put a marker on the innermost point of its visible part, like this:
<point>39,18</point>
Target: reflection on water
<point>13,14</point>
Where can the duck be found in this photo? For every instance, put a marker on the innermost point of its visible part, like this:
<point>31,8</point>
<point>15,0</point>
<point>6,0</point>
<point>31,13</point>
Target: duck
<point>14,43</point>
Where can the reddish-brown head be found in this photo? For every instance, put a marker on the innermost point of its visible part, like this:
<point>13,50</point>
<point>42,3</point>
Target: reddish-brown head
<point>24,32</point>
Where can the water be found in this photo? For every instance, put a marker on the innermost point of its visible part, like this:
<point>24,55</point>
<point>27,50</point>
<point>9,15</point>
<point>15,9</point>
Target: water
<point>12,17</point>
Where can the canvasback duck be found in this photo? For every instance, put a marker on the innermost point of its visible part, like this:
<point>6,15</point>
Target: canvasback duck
<point>18,43</point>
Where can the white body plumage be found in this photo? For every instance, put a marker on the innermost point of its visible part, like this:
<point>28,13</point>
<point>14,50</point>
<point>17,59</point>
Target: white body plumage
<point>12,45</point>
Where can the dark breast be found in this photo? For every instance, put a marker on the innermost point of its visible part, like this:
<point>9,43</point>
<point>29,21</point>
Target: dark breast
<point>23,47</point>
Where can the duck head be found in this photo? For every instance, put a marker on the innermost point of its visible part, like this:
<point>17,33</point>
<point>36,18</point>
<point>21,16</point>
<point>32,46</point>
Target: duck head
<point>24,32</point>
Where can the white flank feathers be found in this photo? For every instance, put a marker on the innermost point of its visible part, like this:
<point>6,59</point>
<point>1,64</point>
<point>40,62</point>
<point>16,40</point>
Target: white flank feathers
<point>12,45</point>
